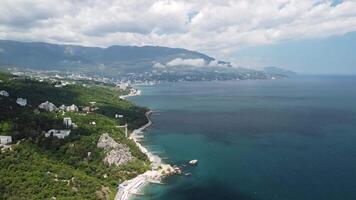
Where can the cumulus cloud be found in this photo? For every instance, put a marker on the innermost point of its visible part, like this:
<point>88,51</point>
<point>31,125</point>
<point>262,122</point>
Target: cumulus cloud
<point>198,62</point>
<point>215,63</point>
<point>216,27</point>
<point>159,66</point>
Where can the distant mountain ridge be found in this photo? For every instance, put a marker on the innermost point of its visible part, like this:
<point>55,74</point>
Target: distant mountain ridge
<point>46,56</point>
<point>146,63</point>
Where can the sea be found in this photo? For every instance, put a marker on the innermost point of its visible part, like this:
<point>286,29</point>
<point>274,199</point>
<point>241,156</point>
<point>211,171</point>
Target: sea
<point>288,139</point>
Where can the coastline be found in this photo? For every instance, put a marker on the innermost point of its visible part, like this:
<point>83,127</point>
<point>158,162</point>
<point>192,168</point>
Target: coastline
<point>132,93</point>
<point>158,170</point>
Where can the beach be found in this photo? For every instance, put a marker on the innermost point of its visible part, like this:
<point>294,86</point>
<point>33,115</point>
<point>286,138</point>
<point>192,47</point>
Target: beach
<point>155,175</point>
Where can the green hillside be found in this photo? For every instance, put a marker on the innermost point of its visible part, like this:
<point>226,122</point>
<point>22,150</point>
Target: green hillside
<point>37,167</point>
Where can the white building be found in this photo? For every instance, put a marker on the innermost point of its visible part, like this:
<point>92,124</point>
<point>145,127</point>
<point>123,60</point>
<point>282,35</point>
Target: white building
<point>21,101</point>
<point>67,122</point>
<point>86,109</point>
<point>47,106</point>
<point>119,116</point>
<point>57,133</point>
<point>5,139</point>
<point>72,108</point>
<point>4,93</point>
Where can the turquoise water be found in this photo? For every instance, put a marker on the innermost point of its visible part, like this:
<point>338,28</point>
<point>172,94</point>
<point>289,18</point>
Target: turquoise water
<point>283,140</point>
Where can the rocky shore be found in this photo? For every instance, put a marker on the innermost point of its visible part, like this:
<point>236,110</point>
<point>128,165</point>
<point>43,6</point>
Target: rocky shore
<point>155,175</point>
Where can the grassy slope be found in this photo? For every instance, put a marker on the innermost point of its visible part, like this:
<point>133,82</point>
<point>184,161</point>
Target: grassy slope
<point>28,172</point>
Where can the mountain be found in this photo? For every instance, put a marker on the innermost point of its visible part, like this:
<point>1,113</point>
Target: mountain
<point>280,71</point>
<point>118,59</point>
<point>146,63</point>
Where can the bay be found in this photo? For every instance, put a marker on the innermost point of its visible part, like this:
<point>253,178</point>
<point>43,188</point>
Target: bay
<point>258,139</point>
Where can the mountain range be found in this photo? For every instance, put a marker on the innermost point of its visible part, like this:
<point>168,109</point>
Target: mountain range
<point>119,61</point>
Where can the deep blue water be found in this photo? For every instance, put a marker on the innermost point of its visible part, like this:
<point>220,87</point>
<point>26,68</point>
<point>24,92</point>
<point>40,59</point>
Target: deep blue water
<point>283,140</point>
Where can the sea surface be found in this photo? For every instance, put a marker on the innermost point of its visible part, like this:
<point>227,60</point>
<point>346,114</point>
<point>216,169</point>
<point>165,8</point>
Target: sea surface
<point>292,139</point>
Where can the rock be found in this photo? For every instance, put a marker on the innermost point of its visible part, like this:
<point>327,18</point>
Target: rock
<point>193,162</point>
<point>177,170</point>
<point>116,153</point>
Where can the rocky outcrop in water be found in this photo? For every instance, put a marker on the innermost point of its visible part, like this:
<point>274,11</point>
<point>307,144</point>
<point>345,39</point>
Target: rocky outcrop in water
<point>116,153</point>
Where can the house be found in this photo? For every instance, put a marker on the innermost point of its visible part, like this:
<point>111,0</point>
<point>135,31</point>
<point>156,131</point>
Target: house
<point>21,101</point>
<point>5,139</point>
<point>47,106</point>
<point>92,123</point>
<point>57,133</point>
<point>4,93</point>
<point>67,122</point>
<point>86,109</point>
<point>118,116</point>
<point>72,108</point>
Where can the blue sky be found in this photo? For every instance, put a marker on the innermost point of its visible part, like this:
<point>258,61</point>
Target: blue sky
<point>330,55</point>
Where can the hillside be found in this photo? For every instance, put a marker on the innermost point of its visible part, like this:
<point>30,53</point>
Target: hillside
<point>35,166</point>
<point>117,59</point>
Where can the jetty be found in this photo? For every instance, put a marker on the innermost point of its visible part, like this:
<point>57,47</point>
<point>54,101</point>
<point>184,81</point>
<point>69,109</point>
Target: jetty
<point>159,169</point>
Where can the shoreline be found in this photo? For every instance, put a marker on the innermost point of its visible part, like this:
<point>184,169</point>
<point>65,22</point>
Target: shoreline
<point>158,170</point>
<point>132,93</point>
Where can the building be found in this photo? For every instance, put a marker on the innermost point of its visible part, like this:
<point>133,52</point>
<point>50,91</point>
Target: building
<point>86,109</point>
<point>4,93</point>
<point>72,108</point>
<point>119,116</point>
<point>47,106</point>
<point>21,101</point>
<point>57,133</point>
<point>67,122</point>
<point>5,139</point>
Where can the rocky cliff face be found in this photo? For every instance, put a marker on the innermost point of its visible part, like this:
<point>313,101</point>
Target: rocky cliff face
<point>116,153</point>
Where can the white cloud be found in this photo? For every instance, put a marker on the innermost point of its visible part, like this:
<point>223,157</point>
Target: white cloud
<point>159,66</point>
<point>216,27</point>
<point>216,63</point>
<point>198,62</point>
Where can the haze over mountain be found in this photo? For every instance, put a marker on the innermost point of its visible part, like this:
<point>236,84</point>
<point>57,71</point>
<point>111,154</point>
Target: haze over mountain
<point>277,70</point>
<point>45,56</point>
<point>132,62</point>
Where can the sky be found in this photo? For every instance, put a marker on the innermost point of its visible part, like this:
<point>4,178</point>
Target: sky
<point>311,36</point>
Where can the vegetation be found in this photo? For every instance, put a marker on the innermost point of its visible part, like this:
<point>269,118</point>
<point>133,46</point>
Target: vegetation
<point>71,168</point>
